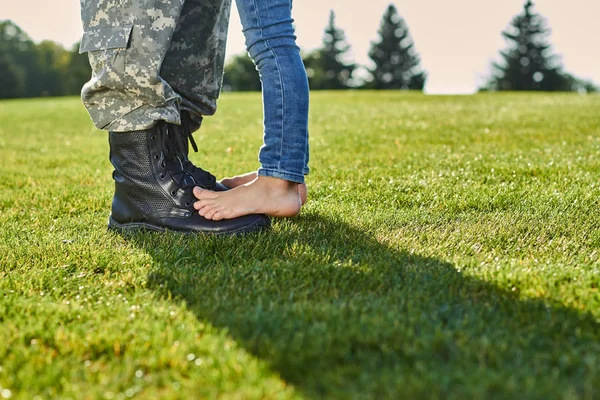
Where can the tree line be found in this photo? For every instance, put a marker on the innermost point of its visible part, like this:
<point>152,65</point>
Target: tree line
<point>397,63</point>
<point>29,69</point>
<point>528,62</point>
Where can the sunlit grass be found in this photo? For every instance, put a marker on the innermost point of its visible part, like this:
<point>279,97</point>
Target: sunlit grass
<point>449,249</point>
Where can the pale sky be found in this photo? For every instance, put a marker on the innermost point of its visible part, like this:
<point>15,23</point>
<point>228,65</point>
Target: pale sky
<point>457,40</point>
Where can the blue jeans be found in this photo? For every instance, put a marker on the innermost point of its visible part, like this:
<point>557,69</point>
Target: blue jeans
<point>271,43</point>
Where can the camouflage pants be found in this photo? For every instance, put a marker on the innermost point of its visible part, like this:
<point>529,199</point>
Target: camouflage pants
<point>151,59</point>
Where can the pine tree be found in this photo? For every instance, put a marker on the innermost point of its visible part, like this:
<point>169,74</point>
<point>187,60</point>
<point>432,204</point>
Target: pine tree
<point>397,66</point>
<point>329,66</point>
<point>528,62</point>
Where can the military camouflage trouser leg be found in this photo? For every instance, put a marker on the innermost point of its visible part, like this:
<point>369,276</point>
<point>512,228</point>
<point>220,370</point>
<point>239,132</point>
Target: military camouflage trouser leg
<point>151,59</point>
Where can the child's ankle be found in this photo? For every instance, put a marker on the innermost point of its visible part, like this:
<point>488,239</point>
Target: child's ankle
<point>278,183</point>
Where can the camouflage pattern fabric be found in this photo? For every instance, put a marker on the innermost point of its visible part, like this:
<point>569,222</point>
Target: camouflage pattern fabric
<point>151,59</point>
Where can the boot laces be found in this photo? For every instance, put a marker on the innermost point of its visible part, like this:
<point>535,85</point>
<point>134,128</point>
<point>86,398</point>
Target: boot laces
<point>173,158</point>
<point>182,134</point>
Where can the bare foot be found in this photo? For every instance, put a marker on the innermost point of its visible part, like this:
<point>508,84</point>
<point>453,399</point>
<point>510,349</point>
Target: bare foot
<point>263,195</point>
<point>239,180</point>
<point>250,176</point>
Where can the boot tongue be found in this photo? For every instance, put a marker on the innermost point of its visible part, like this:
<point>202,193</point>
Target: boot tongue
<point>204,179</point>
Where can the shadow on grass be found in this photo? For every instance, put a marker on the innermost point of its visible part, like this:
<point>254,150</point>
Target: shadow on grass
<point>338,314</point>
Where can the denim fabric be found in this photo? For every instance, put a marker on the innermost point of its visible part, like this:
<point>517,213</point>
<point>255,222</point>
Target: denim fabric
<point>271,43</point>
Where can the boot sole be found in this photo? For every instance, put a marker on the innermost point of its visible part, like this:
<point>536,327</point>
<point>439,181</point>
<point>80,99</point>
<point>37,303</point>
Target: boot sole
<point>133,227</point>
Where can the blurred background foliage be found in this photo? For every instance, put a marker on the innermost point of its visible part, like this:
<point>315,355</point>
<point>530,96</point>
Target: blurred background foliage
<point>29,69</point>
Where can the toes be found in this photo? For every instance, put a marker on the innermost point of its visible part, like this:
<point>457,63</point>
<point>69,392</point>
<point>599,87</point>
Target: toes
<point>199,193</point>
<point>200,204</point>
<point>206,212</point>
<point>203,193</point>
<point>210,214</point>
<point>203,207</point>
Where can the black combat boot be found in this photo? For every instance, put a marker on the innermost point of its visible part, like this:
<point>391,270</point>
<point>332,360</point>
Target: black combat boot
<point>183,134</point>
<point>153,187</point>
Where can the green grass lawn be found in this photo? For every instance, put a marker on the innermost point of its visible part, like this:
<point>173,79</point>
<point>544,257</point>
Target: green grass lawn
<point>450,248</point>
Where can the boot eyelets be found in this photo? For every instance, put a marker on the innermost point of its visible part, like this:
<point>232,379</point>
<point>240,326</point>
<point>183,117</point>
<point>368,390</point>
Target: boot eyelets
<point>162,177</point>
<point>156,157</point>
<point>174,193</point>
<point>187,204</point>
<point>152,137</point>
<point>187,214</point>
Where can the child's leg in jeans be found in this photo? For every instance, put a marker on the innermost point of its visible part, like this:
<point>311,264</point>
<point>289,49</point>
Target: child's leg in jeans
<point>271,43</point>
